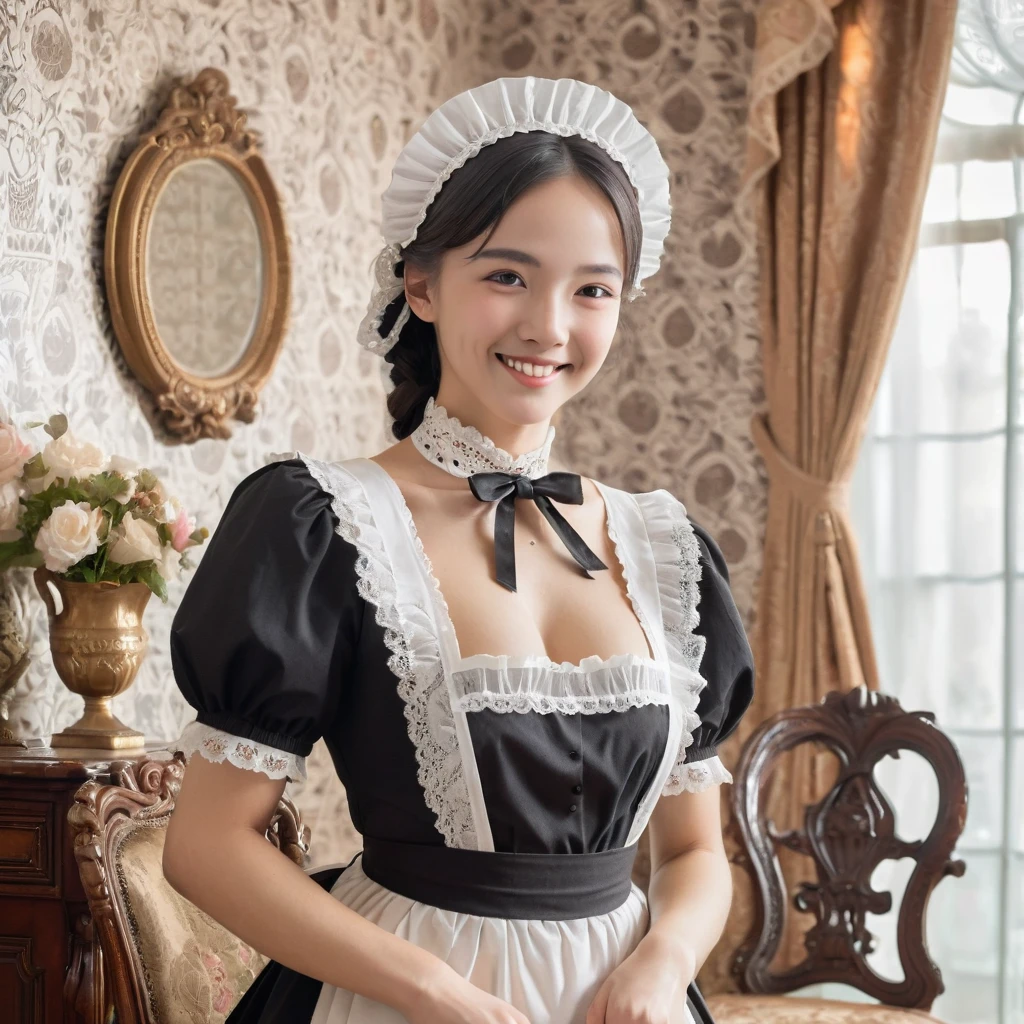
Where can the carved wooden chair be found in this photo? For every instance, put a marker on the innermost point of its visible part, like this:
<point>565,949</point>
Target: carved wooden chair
<point>847,834</point>
<point>166,961</point>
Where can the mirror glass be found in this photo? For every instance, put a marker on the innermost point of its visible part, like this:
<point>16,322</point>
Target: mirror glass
<point>204,267</point>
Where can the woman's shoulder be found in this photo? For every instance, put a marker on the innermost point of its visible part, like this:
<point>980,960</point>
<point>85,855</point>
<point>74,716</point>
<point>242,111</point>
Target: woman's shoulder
<point>300,474</point>
<point>291,492</point>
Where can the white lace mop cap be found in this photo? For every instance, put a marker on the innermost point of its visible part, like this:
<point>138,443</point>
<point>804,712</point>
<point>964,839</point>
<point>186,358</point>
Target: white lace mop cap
<point>462,126</point>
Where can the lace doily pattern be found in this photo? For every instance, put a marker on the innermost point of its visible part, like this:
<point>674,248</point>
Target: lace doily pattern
<point>414,658</point>
<point>462,450</point>
<point>217,745</point>
<point>595,685</point>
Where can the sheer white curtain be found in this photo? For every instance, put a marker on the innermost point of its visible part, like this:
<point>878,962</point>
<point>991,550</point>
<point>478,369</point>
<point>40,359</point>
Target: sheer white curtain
<point>938,502</point>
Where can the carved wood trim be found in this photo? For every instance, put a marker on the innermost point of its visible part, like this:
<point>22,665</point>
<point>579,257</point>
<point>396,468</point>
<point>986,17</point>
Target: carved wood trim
<point>85,988</point>
<point>100,818</point>
<point>848,833</point>
<point>200,120</point>
<point>17,950</point>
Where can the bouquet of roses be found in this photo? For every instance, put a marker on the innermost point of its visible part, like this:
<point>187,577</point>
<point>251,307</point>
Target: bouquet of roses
<point>88,518</point>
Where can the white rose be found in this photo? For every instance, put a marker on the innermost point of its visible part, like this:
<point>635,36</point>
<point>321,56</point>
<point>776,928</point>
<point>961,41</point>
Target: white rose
<point>134,540</point>
<point>68,457</point>
<point>69,534</point>
<point>169,565</point>
<point>13,453</point>
<point>10,509</point>
<point>121,464</point>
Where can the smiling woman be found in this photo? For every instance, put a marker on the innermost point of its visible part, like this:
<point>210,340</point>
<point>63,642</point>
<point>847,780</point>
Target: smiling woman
<point>511,692</point>
<point>506,278</point>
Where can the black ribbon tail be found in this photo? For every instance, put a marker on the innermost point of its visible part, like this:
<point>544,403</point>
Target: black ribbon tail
<point>505,541</point>
<point>575,544</point>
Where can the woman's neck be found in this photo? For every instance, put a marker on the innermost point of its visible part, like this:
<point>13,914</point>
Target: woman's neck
<point>461,448</point>
<point>514,438</point>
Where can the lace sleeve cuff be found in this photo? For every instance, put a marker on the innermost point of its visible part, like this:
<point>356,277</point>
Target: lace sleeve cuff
<point>216,745</point>
<point>696,776</point>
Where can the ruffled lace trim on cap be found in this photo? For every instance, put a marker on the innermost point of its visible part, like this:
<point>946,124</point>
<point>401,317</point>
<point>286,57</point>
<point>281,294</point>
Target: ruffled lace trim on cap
<point>677,554</point>
<point>414,660</point>
<point>217,745</point>
<point>458,129</point>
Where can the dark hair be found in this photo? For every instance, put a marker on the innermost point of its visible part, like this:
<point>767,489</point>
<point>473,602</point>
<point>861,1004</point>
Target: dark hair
<point>473,200</point>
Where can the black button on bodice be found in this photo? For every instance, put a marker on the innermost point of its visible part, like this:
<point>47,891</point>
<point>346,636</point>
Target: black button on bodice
<point>577,788</point>
<point>572,807</point>
<point>574,754</point>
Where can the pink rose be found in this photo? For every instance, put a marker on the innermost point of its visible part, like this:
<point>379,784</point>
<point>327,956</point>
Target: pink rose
<point>215,968</point>
<point>218,979</point>
<point>222,1000</point>
<point>181,530</point>
<point>14,453</point>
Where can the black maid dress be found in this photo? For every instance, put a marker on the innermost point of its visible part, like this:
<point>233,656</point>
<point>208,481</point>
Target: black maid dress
<point>499,798</point>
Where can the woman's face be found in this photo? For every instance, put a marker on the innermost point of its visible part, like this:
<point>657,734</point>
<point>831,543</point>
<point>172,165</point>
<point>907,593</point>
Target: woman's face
<point>546,288</point>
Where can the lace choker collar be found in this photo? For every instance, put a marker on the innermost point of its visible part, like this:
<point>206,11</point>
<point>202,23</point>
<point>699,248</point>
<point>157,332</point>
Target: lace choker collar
<point>463,450</point>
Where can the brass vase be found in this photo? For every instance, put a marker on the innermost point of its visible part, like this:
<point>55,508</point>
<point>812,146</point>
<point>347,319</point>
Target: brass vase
<point>98,642</point>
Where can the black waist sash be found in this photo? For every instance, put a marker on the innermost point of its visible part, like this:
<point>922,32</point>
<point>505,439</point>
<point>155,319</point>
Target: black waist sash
<point>535,886</point>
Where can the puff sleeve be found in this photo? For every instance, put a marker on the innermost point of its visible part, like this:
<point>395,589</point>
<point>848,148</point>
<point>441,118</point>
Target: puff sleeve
<point>727,666</point>
<point>270,619</point>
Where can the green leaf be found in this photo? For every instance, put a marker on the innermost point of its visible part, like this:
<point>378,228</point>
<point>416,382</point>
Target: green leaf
<point>88,574</point>
<point>56,425</point>
<point>19,552</point>
<point>101,487</point>
<point>147,573</point>
<point>32,560</point>
<point>34,468</point>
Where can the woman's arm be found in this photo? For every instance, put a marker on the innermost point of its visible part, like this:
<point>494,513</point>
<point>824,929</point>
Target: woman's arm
<point>217,856</point>
<point>691,881</point>
<point>689,897</point>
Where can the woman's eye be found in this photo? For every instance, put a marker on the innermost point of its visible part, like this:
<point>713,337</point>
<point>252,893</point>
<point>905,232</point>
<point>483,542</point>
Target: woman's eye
<point>504,273</point>
<point>511,273</point>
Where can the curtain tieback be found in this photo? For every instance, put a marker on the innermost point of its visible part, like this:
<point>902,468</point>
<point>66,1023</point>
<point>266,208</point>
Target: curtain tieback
<point>818,493</point>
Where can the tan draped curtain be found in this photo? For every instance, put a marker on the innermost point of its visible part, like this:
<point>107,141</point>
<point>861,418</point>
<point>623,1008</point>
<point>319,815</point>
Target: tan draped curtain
<point>845,106</point>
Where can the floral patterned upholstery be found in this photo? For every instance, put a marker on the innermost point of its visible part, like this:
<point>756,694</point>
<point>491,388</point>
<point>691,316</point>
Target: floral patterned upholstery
<point>195,970</point>
<point>741,1009</point>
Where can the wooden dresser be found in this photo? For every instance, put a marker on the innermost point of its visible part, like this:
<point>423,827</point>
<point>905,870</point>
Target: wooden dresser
<point>51,969</point>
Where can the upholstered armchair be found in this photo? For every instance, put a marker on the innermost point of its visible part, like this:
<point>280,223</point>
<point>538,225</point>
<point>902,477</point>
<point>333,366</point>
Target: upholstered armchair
<point>847,834</point>
<point>167,961</point>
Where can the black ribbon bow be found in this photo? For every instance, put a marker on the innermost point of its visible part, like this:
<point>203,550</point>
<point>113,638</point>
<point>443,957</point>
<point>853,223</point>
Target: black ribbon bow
<point>505,488</point>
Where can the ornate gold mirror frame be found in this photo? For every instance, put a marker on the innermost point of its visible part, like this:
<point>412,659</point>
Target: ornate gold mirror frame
<point>200,121</point>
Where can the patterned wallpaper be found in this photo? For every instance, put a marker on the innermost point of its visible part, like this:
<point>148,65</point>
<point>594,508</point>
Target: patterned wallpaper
<point>335,88</point>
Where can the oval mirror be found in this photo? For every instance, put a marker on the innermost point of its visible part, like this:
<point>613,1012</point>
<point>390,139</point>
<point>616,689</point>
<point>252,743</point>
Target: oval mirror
<point>204,267</point>
<point>196,262</point>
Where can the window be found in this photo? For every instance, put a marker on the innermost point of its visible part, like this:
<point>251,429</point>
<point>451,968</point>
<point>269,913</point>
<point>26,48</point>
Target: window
<point>938,504</point>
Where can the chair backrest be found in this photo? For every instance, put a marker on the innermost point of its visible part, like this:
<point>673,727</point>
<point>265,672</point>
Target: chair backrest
<point>169,962</point>
<point>847,833</point>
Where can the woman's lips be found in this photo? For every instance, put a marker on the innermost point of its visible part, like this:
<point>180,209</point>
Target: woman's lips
<point>530,382</point>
